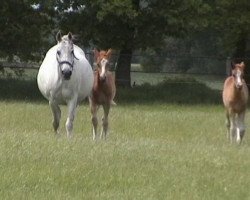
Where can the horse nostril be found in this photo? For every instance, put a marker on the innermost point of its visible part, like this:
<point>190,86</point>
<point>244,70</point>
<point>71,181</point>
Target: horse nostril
<point>102,78</point>
<point>66,74</point>
<point>239,86</point>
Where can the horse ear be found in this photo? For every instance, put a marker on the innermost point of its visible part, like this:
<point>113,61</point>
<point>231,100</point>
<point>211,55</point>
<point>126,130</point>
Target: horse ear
<point>59,36</point>
<point>242,65</point>
<point>109,52</point>
<point>70,36</point>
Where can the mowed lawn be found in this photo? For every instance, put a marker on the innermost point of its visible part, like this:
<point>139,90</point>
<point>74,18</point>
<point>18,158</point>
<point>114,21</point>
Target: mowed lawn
<point>170,148</point>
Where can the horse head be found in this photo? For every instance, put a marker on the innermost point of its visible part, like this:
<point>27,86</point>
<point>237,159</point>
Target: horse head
<point>65,54</point>
<point>102,62</point>
<point>238,73</point>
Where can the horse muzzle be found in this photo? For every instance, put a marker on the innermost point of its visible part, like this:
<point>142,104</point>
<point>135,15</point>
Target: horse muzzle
<point>102,78</point>
<point>66,74</point>
<point>239,86</point>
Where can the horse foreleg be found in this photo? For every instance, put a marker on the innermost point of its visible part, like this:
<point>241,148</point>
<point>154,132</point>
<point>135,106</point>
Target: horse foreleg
<point>104,132</point>
<point>232,127</point>
<point>94,109</point>
<point>71,115</point>
<point>240,127</point>
<point>228,125</point>
<point>56,111</point>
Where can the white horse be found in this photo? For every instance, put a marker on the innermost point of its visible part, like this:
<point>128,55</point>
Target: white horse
<point>65,77</point>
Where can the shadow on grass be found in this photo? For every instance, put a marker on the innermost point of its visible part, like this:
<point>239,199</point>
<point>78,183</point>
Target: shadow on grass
<point>12,89</point>
<point>178,91</point>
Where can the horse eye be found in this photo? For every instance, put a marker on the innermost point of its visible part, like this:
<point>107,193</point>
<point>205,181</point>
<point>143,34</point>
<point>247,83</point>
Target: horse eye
<point>58,53</point>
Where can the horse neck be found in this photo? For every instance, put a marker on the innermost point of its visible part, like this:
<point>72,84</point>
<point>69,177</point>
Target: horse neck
<point>98,84</point>
<point>235,91</point>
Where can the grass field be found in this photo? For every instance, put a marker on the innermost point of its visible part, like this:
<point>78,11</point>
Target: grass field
<point>166,142</point>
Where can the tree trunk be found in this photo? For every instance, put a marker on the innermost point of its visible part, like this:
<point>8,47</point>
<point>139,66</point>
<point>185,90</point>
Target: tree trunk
<point>240,50</point>
<point>122,74</point>
<point>240,55</point>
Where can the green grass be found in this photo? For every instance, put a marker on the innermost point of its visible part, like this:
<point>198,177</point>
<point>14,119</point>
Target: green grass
<point>165,142</point>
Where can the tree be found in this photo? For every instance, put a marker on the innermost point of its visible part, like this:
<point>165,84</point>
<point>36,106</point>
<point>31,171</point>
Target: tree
<point>128,25</point>
<point>231,19</point>
<point>23,25</point>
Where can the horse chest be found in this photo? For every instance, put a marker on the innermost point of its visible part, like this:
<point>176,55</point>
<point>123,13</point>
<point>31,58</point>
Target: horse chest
<point>101,95</point>
<point>238,104</point>
<point>67,93</point>
<point>67,90</point>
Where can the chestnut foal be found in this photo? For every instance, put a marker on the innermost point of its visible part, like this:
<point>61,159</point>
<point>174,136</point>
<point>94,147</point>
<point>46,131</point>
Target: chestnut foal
<point>103,91</point>
<point>235,98</point>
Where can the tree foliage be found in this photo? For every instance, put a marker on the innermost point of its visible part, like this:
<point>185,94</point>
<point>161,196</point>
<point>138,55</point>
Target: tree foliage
<point>231,19</point>
<point>128,25</point>
<point>205,26</point>
<point>132,24</point>
<point>23,25</point>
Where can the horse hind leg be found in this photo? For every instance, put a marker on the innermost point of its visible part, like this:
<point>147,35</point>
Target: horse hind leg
<point>56,111</point>
<point>104,132</point>
<point>228,125</point>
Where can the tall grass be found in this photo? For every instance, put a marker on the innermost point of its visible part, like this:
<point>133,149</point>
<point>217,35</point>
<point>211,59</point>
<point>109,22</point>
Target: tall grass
<point>165,142</point>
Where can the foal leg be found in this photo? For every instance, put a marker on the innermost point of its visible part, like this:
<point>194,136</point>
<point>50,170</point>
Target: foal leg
<point>232,127</point>
<point>104,132</point>
<point>56,111</point>
<point>71,115</point>
<point>228,125</point>
<point>94,108</point>
<point>240,127</point>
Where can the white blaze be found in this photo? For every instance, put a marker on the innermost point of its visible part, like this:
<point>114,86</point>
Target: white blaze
<point>103,68</point>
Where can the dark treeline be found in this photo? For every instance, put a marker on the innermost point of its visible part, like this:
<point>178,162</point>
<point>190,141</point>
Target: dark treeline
<point>151,27</point>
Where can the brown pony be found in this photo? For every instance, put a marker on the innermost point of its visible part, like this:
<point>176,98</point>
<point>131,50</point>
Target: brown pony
<point>103,91</point>
<point>235,98</point>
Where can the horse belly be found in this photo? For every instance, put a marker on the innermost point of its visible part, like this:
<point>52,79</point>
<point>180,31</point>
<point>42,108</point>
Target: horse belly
<point>44,84</point>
